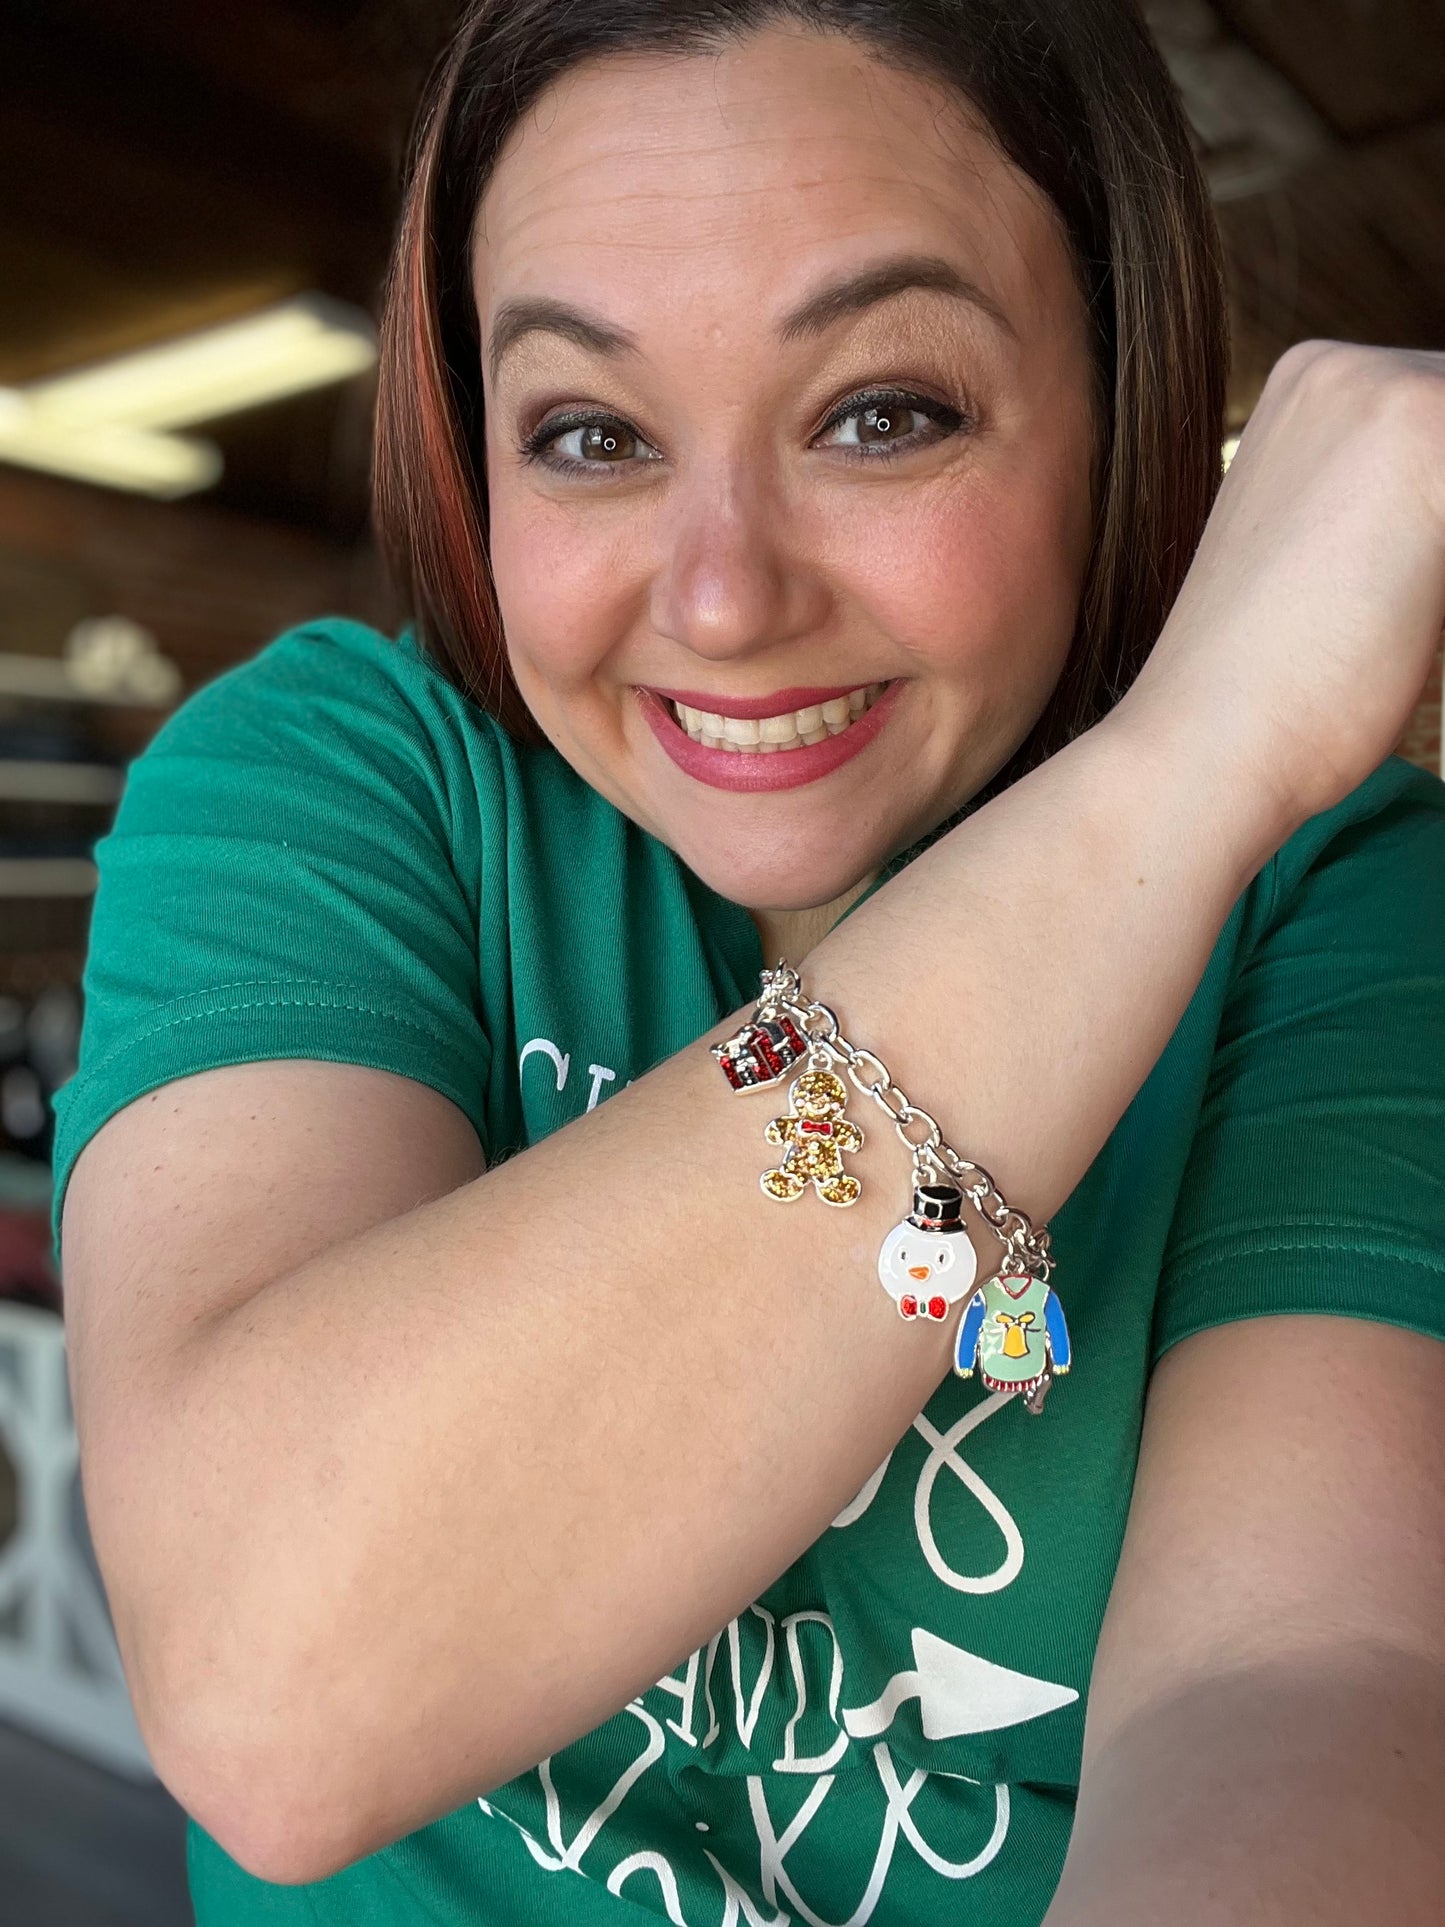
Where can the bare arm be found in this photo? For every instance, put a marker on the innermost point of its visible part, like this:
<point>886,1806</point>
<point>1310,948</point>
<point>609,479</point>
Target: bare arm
<point>377,1498</point>
<point>1266,1730</point>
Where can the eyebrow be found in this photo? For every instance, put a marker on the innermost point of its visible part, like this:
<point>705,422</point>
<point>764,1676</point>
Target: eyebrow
<point>880,281</point>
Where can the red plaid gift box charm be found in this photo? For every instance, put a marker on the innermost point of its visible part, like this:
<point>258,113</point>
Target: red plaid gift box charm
<point>761,1053</point>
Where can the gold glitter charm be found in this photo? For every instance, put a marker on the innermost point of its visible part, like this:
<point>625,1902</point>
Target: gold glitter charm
<point>816,1135</point>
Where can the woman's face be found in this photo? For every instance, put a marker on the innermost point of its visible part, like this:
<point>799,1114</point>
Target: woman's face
<point>788,442</point>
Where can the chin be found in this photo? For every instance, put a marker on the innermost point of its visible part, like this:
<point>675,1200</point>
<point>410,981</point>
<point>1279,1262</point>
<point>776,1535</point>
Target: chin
<point>785,873</point>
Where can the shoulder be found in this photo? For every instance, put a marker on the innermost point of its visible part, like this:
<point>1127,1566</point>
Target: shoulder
<point>334,719</point>
<point>337,686</point>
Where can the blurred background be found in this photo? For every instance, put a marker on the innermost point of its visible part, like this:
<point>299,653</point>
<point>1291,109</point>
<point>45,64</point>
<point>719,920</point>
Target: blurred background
<point>195,209</point>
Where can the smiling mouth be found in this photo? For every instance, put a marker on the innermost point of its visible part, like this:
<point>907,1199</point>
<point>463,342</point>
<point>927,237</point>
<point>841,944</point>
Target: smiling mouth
<point>766,735</point>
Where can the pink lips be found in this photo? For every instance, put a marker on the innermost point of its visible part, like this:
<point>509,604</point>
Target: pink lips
<point>729,770</point>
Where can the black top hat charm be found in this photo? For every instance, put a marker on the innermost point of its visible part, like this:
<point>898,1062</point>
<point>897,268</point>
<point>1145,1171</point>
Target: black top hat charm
<point>937,1207</point>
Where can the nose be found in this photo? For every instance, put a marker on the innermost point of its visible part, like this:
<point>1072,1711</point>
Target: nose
<point>918,1271</point>
<point>729,581</point>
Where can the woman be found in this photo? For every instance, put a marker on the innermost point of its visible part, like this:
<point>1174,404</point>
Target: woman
<point>797,426</point>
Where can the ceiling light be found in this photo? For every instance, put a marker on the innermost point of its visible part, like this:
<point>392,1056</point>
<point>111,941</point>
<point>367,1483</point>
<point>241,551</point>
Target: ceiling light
<point>304,343</point>
<point>105,423</point>
<point>1231,444</point>
<point>166,466</point>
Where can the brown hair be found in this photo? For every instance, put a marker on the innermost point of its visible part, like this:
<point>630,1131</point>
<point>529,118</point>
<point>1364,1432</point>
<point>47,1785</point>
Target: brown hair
<point>1076,95</point>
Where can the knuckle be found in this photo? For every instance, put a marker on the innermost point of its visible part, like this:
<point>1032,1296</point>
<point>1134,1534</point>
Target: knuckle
<point>1389,392</point>
<point>1326,367</point>
<point>1303,358</point>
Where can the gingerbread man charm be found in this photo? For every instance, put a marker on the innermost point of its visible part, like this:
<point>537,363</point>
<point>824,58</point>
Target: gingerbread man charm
<point>816,1135</point>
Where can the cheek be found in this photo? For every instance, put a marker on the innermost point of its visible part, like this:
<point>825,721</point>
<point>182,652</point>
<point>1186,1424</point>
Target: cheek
<point>560,587</point>
<point>984,570</point>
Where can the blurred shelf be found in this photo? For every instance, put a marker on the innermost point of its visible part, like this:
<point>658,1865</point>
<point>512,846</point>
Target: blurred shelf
<point>49,678</point>
<point>46,876</point>
<point>22,781</point>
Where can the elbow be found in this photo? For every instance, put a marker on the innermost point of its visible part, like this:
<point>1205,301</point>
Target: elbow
<point>239,1734</point>
<point>292,1815</point>
<point>274,1842</point>
<point>275,1849</point>
<point>285,1857</point>
<point>259,1794</point>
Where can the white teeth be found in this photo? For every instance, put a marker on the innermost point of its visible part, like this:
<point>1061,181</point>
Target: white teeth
<point>766,735</point>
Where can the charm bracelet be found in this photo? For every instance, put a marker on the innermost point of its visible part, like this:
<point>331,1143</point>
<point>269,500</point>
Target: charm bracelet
<point>1012,1331</point>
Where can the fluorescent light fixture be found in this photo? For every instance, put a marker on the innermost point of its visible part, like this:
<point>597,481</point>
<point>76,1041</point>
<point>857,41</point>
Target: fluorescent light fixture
<point>304,343</point>
<point>109,423</point>
<point>166,466</point>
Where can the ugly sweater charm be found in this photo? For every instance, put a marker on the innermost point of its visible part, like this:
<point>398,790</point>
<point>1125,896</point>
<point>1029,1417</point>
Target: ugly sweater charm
<point>1013,1334</point>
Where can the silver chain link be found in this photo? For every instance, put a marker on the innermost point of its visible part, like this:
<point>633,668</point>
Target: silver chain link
<point>1028,1249</point>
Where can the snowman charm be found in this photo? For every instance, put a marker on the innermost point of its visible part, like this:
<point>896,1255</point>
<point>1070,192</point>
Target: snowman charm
<point>927,1262</point>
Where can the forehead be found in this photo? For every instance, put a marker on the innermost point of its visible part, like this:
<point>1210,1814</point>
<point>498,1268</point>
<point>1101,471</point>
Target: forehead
<point>727,179</point>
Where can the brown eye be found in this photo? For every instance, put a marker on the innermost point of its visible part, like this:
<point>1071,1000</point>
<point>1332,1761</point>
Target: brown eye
<point>606,442</point>
<point>573,445</point>
<point>884,424</point>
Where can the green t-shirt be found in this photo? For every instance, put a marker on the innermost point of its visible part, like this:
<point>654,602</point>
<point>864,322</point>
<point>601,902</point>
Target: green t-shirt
<point>330,853</point>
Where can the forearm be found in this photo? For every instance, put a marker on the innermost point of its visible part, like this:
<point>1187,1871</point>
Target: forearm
<point>1060,932</point>
<point>422,1483</point>
<point>1300,1792</point>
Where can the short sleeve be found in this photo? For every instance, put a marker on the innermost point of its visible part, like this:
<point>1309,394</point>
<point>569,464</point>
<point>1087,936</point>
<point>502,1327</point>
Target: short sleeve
<point>1316,1178</point>
<point>281,882</point>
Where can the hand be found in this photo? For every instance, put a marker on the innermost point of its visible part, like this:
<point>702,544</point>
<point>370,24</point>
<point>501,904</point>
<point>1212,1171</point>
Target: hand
<point>1306,629</point>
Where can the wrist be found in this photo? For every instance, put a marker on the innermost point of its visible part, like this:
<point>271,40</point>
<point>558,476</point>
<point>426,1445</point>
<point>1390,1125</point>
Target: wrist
<point>1185,759</point>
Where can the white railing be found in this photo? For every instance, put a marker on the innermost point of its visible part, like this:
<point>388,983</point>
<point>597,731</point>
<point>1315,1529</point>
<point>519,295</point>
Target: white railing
<point>60,1671</point>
